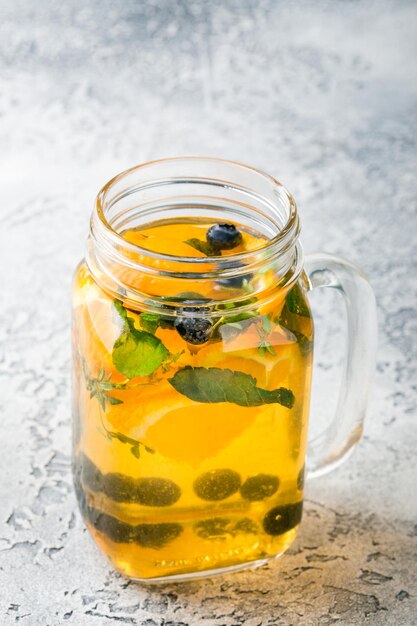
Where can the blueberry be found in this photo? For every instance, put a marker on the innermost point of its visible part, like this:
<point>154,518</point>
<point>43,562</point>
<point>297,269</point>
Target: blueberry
<point>283,518</point>
<point>223,236</point>
<point>195,330</point>
<point>217,484</point>
<point>259,487</point>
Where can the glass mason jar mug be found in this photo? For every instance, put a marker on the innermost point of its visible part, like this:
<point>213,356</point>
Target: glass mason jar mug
<point>192,346</point>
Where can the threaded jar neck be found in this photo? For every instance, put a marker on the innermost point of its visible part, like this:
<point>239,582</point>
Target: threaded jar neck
<point>185,189</point>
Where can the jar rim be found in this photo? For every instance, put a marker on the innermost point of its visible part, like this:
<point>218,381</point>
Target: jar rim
<point>188,187</point>
<point>286,235</point>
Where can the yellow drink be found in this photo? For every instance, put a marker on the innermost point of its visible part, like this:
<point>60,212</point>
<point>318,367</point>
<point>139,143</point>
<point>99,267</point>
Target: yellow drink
<point>190,428</point>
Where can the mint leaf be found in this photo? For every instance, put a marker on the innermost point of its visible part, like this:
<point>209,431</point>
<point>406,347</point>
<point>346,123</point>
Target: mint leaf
<point>202,246</point>
<point>294,308</point>
<point>118,305</point>
<point>187,297</point>
<point>304,343</point>
<point>138,353</point>
<point>213,384</point>
<point>239,317</point>
<point>150,322</point>
<point>229,306</point>
<point>296,303</point>
<point>122,311</point>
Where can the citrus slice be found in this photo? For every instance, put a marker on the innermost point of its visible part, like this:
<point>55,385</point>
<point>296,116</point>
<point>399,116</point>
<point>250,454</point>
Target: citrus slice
<point>175,426</point>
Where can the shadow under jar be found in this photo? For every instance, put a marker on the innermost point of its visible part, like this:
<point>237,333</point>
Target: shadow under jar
<point>192,350</point>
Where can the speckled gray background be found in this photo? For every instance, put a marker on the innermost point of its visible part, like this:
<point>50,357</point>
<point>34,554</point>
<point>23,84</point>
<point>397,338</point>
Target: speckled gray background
<point>324,96</point>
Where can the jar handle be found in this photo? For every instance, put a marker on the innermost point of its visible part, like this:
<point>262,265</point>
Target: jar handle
<point>333,446</point>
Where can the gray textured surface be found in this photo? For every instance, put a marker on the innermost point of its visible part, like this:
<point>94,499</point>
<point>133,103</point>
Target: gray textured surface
<point>323,95</point>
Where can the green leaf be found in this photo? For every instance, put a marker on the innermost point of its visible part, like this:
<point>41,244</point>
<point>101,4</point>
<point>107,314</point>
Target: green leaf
<point>296,302</point>
<point>213,384</point>
<point>202,246</point>
<point>150,322</point>
<point>266,324</point>
<point>232,324</point>
<point>135,451</point>
<point>186,295</point>
<point>138,353</point>
<point>240,317</point>
<point>102,401</point>
<point>228,306</point>
<point>118,305</point>
<point>121,437</point>
<point>295,307</point>
<point>134,443</point>
<point>128,321</point>
<point>304,343</point>
<point>113,400</point>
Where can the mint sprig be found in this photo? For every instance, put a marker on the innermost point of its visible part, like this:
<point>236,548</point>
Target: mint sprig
<point>135,444</point>
<point>212,385</point>
<point>99,388</point>
<point>264,329</point>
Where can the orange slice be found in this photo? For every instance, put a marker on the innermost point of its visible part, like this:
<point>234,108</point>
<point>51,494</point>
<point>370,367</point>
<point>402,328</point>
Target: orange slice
<point>174,425</point>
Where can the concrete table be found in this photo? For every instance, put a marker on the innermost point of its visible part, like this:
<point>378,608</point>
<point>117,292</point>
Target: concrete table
<point>324,97</point>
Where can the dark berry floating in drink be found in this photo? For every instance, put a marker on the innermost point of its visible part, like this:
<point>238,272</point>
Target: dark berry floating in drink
<point>224,236</point>
<point>194,330</point>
